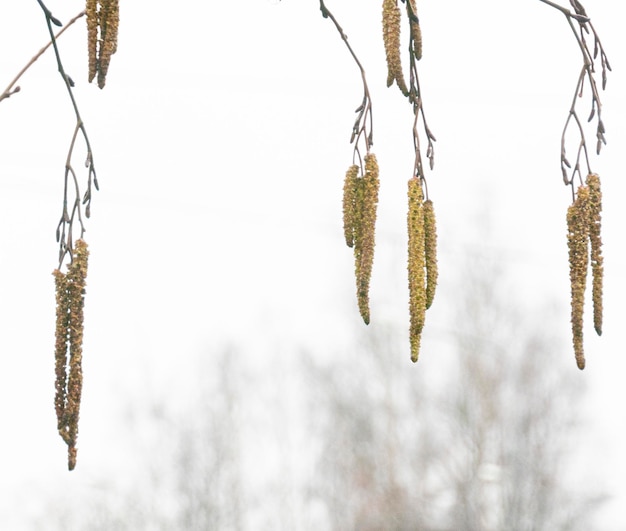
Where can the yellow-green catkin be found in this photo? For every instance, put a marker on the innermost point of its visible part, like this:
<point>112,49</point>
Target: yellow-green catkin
<point>391,38</point>
<point>595,238</point>
<point>350,185</point>
<point>430,251</point>
<point>416,265</point>
<point>70,298</point>
<point>370,184</point>
<point>578,247</point>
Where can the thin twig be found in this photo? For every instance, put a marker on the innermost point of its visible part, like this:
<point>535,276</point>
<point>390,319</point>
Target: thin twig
<point>415,97</point>
<point>10,90</point>
<point>363,128</point>
<point>579,17</point>
<point>66,224</point>
<point>587,73</point>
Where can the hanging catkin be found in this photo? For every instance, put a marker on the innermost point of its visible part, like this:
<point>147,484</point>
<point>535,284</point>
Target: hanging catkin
<point>102,28</point>
<point>370,185</point>
<point>595,238</point>
<point>391,38</point>
<point>430,251</point>
<point>416,265</point>
<point>70,299</point>
<point>578,246</point>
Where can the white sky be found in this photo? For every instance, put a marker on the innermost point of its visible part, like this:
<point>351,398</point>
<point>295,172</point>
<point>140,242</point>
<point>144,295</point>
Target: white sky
<point>221,141</point>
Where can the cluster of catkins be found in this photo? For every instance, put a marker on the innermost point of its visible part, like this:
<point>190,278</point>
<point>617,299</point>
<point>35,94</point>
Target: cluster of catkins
<point>360,199</point>
<point>70,300</point>
<point>422,261</point>
<point>103,18</point>
<point>391,37</point>
<point>583,233</point>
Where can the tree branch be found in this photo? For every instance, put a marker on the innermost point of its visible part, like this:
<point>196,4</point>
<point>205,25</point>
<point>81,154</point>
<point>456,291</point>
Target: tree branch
<point>65,227</point>
<point>11,88</point>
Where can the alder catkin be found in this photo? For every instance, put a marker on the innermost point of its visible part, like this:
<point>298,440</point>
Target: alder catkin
<point>60,346</point>
<point>369,184</point>
<point>109,23</point>
<point>391,38</point>
<point>416,265</point>
<point>349,203</point>
<point>76,275</point>
<point>70,298</point>
<point>416,34</point>
<point>595,238</point>
<point>92,36</point>
<point>416,31</point>
<point>430,251</point>
<point>578,247</point>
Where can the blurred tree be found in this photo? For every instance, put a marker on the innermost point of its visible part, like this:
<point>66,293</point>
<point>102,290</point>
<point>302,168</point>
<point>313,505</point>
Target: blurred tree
<point>486,448</point>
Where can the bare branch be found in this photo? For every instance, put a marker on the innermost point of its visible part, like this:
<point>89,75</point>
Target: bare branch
<point>363,128</point>
<point>11,88</point>
<point>587,77</point>
<point>66,224</point>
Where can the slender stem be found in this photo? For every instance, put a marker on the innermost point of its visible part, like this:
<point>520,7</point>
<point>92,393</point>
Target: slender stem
<point>9,91</point>
<point>65,227</point>
<point>579,17</point>
<point>365,116</point>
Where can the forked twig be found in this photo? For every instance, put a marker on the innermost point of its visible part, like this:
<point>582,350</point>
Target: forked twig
<point>65,228</point>
<point>363,128</point>
<point>415,97</point>
<point>587,73</point>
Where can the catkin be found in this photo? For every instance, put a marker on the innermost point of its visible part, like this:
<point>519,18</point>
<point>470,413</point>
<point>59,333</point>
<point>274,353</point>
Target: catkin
<point>92,36</point>
<point>60,346</point>
<point>70,298</point>
<point>370,184</point>
<point>416,265</point>
<point>102,28</point>
<point>416,34</point>
<point>595,238</point>
<point>578,247</point>
<point>109,23</point>
<point>430,251</point>
<point>391,38</point>
<point>350,185</point>
<point>416,31</point>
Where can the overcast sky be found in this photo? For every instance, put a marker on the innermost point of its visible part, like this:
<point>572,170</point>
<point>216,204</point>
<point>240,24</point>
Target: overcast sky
<point>221,142</point>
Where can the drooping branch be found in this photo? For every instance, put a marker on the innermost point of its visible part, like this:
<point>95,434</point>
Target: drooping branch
<point>584,240</point>
<point>581,25</point>
<point>65,227</point>
<point>361,185</point>
<point>363,128</point>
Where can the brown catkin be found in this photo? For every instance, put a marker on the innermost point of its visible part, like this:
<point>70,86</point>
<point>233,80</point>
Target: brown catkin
<point>430,251</point>
<point>349,203</point>
<point>92,36</point>
<point>595,238</point>
<point>416,31</point>
<point>416,266</point>
<point>391,38</point>
<point>109,23</point>
<point>416,35</point>
<point>60,346</point>
<point>370,184</point>
<point>70,298</point>
<point>77,274</point>
<point>578,246</point>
